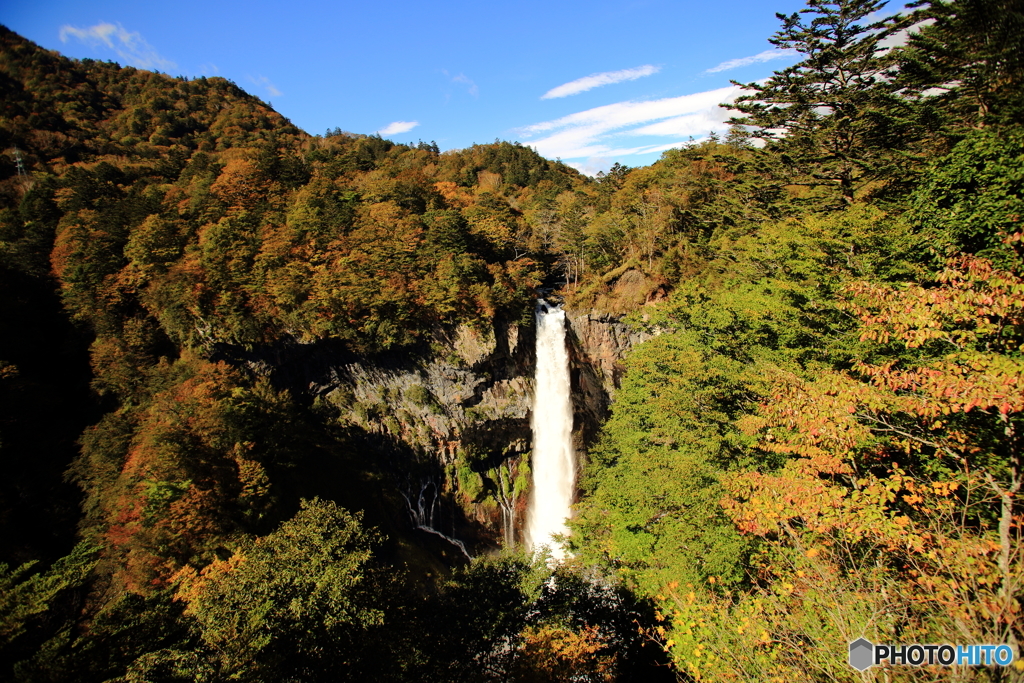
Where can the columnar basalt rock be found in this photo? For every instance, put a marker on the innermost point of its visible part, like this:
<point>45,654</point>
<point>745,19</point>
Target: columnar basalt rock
<point>598,343</point>
<point>602,340</point>
<point>458,407</point>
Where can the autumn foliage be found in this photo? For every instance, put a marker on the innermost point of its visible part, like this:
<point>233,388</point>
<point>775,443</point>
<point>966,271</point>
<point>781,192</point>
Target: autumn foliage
<point>816,437</point>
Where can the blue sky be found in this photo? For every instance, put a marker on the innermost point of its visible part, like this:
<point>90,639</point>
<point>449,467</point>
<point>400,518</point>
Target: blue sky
<point>590,82</point>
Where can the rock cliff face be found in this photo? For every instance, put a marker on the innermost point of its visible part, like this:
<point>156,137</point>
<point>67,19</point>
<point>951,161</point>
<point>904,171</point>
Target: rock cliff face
<point>474,383</point>
<point>599,342</point>
<point>602,340</point>
<point>453,417</point>
<point>463,412</point>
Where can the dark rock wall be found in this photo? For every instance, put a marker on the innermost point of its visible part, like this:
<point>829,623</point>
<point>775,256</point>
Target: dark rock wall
<point>455,413</point>
<point>598,344</point>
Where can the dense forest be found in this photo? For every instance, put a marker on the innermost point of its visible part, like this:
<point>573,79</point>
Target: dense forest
<point>821,438</point>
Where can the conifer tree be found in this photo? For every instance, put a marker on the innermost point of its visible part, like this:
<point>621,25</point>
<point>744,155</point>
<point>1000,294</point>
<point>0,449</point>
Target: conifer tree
<point>966,64</point>
<point>832,116</point>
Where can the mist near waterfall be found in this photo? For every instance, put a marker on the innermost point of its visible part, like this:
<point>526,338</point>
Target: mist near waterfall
<point>553,460</point>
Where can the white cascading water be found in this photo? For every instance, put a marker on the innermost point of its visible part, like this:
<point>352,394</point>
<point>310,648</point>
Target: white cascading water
<point>553,460</point>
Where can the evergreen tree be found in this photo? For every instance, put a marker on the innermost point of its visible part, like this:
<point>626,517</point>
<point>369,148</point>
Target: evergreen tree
<point>832,116</point>
<point>969,61</point>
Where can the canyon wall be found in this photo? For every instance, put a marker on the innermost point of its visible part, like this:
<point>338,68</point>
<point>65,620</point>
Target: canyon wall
<point>450,420</point>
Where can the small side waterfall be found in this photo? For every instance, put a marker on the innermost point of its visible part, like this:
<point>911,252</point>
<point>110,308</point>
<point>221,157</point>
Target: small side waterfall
<point>553,460</point>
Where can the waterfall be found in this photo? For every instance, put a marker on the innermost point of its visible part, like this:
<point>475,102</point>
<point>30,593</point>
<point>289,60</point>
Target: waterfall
<point>553,460</point>
<point>422,513</point>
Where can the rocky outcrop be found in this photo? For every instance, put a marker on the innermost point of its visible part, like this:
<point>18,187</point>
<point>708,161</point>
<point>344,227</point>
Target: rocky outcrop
<point>454,415</point>
<point>598,343</point>
<point>475,383</point>
<point>602,341</point>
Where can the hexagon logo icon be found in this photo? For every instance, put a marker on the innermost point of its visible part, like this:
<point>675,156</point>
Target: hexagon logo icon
<point>861,654</point>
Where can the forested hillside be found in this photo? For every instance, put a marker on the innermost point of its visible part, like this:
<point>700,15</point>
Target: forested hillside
<point>821,440</point>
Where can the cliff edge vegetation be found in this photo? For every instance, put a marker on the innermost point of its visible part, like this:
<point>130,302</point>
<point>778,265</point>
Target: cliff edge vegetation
<point>254,380</point>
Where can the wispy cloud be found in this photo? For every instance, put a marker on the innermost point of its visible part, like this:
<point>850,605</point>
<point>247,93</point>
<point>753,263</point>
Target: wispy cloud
<point>264,82</point>
<point>901,38</point>
<point>597,80</point>
<point>766,56</point>
<point>611,130</point>
<point>470,85</point>
<point>396,127</point>
<point>129,46</point>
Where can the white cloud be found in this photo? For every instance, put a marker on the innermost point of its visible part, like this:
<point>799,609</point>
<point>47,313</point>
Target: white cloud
<point>470,85</point>
<point>901,38</point>
<point>264,82</point>
<point>130,46</point>
<point>597,80</point>
<point>465,80</point>
<point>626,113</point>
<point>602,131</point>
<point>765,56</point>
<point>592,165</point>
<point>396,127</point>
<point>700,123</point>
